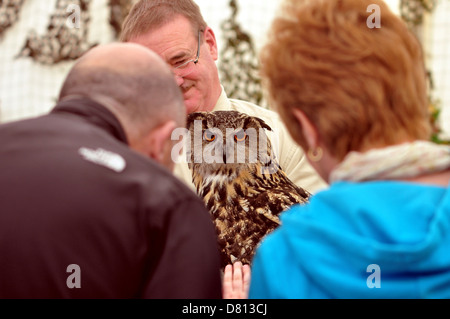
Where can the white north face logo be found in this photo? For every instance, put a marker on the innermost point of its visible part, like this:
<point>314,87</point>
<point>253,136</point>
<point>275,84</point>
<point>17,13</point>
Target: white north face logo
<point>104,158</point>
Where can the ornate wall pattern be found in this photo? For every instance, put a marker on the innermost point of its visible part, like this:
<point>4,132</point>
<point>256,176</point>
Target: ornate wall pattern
<point>9,13</point>
<point>62,42</point>
<point>238,67</point>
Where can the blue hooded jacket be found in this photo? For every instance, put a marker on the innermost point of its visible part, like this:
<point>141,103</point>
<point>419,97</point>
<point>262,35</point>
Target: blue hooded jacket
<point>381,239</point>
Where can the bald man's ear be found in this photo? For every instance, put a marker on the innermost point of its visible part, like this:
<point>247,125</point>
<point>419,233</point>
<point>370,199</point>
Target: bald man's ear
<point>159,143</point>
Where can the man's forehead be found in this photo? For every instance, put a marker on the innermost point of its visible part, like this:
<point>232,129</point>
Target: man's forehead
<point>170,40</point>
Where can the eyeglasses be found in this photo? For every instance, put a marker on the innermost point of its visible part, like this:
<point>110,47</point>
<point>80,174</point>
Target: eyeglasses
<point>186,68</point>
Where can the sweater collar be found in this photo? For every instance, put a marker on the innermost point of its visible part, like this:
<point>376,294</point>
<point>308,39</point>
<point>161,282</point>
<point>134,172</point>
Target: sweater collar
<point>94,113</point>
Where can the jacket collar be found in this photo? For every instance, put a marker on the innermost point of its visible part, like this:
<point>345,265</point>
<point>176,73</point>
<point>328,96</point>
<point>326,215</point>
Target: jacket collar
<point>94,113</point>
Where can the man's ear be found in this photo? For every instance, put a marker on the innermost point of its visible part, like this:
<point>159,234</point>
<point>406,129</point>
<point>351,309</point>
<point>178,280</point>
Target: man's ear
<point>309,130</point>
<point>158,140</point>
<point>210,40</point>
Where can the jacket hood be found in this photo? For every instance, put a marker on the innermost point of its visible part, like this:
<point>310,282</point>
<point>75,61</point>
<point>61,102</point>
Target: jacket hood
<point>402,228</point>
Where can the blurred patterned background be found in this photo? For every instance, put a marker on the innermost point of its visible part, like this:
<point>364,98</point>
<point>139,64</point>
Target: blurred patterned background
<point>38,47</point>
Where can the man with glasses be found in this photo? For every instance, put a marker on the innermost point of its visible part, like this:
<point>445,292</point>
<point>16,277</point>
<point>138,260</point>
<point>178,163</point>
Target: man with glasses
<point>176,30</point>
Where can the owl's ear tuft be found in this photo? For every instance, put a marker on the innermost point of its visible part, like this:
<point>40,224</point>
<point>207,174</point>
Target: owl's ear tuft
<point>193,117</point>
<point>262,123</point>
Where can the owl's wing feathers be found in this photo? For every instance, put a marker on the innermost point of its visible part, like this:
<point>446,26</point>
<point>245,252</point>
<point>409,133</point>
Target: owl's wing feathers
<point>251,219</point>
<point>273,202</point>
<point>274,194</point>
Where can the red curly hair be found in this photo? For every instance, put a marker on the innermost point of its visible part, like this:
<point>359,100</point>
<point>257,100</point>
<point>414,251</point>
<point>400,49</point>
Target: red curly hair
<point>361,87</point>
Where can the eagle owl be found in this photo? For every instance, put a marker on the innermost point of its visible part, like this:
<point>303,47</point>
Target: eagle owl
<point>235,171</point>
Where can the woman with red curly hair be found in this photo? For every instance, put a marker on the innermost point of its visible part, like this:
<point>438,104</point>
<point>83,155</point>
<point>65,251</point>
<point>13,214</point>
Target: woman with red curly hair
<point>354,98</point>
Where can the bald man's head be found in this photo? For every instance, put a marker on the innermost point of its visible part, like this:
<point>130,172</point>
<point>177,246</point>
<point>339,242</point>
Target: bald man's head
<point>140,84</point>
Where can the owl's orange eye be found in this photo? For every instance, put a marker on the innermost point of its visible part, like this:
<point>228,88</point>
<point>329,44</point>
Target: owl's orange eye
<point>209,136</point>
<point>240,136</point>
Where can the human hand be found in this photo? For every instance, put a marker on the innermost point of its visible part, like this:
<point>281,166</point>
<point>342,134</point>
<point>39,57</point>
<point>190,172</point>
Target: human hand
<point>236,281</point>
